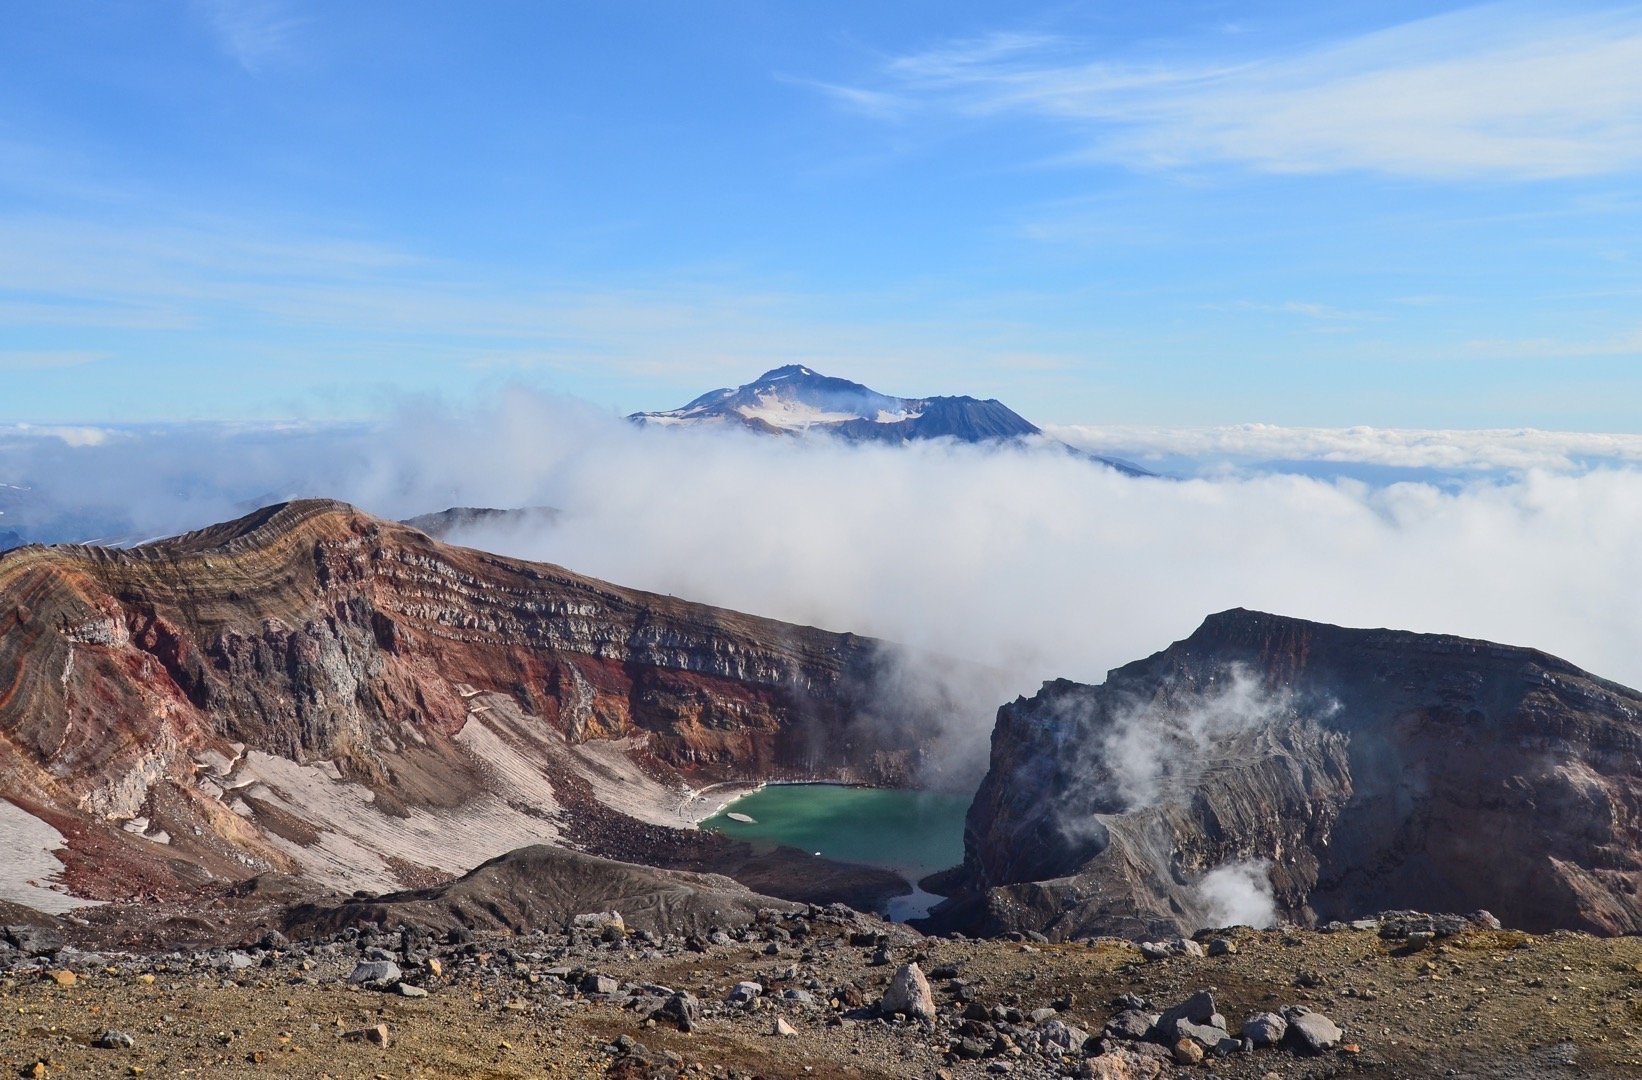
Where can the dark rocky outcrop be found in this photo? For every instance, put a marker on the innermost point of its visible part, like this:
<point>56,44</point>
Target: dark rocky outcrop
<point>450,523</point>
<point>544,887</point>
<point>1347,770</point>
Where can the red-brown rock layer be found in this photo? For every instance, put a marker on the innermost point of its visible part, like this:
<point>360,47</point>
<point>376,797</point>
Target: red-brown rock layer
<point>314,690</point>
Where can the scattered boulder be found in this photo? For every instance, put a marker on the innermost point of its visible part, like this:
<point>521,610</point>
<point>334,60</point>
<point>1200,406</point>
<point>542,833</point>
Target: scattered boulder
<point>1265,1029</point>
<point>376,1034</point>
<point>743,993</point>
<point>1130,1025</point>
<point>908,992</point>
<point>113,1039</point>
<point>375,971</point>
<point>682,1009</point>
<point>1120,1064</point>
<point>33,940</point>
<point>1196,1019</point>
<point>1163,950</point>
<point>1056,1038</point>
<point>782,1028</point>
<point>599,922</point>
<point>593,983</point>
<point>1198,1009</point>
<point>1310,1032</point>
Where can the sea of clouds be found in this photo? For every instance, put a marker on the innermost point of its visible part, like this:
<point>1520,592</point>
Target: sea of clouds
<point>1033,564</point>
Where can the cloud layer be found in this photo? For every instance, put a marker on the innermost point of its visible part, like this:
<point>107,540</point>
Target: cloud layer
<point>1514,450</point>
<point>1036,564</point>
<point>1499,91</point>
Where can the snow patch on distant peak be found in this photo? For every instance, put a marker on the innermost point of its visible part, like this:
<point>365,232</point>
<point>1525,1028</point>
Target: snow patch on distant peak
<point>885,416</point>
<point>786,413</point>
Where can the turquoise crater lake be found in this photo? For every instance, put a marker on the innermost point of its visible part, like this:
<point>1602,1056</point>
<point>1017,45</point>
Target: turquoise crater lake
<point>911,833</point>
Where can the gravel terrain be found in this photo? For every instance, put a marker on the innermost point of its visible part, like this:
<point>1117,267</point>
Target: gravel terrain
<point>603,1000</point>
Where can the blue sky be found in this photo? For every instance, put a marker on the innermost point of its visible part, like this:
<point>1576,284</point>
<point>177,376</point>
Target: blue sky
<point>1397,214</point>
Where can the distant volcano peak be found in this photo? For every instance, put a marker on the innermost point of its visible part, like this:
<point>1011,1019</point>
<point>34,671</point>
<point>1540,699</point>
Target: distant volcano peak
<point>798,400</point>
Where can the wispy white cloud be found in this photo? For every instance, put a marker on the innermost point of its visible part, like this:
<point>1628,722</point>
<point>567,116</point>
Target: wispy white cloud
<point>1497,91</point>
<point>1546,348</point>
<point>74,435</point>
<point>880,104</point>
<point>359,299</point>
<point>1304,309</point>
<point>255,33</point>
<point>1471,451</point>
<point>34,360</point>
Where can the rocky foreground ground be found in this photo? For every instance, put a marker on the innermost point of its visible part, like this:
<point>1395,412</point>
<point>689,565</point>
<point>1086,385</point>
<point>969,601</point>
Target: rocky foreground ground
<point>827,992</point>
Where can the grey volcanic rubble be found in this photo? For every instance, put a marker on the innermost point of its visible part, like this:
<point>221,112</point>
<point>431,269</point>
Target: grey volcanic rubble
<point>827,991</point>
<point>818,988</point>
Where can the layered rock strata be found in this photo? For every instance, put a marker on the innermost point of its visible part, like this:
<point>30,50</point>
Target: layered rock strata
<point>313,690</point>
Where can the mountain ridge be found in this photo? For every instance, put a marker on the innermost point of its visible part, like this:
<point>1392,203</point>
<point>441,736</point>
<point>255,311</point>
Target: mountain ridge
<point>795,400</point>
<point>312,690</point>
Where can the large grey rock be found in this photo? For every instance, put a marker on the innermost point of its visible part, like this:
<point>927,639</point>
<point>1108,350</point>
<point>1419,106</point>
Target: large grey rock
<point>1310,1032</point>
<point>1130,1025</point>
<point>682,1009</point>
<point>34,940</point>
<point>1208,1036</point>
<point>593,983</point>
<point>1265,1029</point>
<point>908,992</point>
<point>598,921</point>
<point>1199,1009</point>
<point>375,971</point>
<point>1057,1038</point>
<point>1196,1019</point>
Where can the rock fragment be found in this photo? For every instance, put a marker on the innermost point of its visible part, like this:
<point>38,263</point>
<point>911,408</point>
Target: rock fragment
<point>1121,1064</point>
<point>377,1035</point>
<point>682,1009</point>
<point>1310,1032</point>
<point>375,971</point>
<point>593,983</point>
<point>908,992</point>
<point>1265,1029</point>
<point>1130,1025</point>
